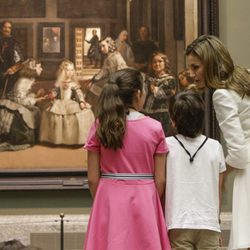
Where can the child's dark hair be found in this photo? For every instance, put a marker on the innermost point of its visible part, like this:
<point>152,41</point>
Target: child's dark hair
<point>113,105</point>
<point>187,111</point>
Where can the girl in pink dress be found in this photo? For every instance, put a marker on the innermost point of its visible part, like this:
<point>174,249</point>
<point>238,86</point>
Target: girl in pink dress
<point>126,172</point>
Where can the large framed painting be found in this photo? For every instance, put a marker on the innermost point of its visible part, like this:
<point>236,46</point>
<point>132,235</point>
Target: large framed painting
<point>63,32</point>
<point>51,40</point>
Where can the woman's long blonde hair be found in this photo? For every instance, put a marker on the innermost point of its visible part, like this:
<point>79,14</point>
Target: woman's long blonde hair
<point>220,71</point>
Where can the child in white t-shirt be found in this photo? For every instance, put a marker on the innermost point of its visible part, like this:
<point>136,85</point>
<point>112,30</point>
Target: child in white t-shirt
<point>194,177</point>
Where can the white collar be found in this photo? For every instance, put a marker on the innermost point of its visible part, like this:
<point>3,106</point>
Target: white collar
<point>134,115</point>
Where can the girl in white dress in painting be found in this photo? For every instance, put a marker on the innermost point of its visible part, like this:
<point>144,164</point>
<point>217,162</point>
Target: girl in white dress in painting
<point>68,119</point>
<point>212,64</point>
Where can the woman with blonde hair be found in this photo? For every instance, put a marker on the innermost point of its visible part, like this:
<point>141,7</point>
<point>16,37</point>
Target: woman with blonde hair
<point>212,65</point>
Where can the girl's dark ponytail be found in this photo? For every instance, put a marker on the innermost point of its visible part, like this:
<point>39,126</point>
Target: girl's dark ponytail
<point>112,116</point>
<point>116,97</point>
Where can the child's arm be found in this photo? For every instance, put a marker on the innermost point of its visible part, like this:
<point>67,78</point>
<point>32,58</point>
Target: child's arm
<point>160,173</point>
<point>221,176</point>
<point>221,184</point>
<point>79,96</point>
<point>93,171</point>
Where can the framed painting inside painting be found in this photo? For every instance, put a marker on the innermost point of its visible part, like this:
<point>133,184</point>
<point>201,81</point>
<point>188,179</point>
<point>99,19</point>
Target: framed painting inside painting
<point>51,40</point>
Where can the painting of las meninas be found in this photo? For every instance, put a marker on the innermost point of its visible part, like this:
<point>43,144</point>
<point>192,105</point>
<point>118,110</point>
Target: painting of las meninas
<point>51,53</point>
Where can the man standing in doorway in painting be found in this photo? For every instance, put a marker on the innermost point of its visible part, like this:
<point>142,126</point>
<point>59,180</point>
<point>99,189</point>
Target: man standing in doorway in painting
<point>11,57</point>
<point>93,51</point>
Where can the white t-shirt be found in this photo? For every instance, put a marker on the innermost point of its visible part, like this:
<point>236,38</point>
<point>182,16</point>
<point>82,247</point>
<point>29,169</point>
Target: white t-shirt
<point>192,191</point>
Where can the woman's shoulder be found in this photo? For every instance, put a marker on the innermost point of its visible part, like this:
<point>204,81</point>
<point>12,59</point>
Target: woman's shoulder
<point>117,59</point>
<point>24,82</point>
<point>225,96</point>
<point>115,55</point>
<point>225,93</point>
<point>112,57</point>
